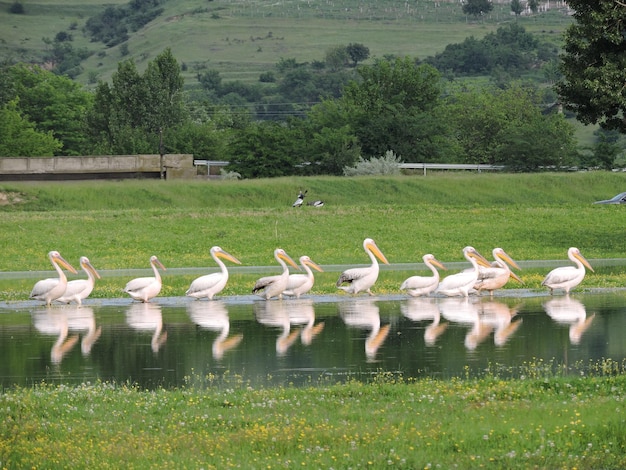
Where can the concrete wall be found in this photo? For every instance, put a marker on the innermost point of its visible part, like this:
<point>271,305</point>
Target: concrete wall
<point>174,165</point>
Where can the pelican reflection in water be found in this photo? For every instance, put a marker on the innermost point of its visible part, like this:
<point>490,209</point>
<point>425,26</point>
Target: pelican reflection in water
<point>83,320</point>
<point>214,316</point>
<point>302,313</point>
<point>147,316</point>
<point>424,309</point>
<point>276,315</point>
<point>466,312</point>
<point>568,311</point>
<point>500,316</point>
<point>55,323</point>
<point>365,314</point>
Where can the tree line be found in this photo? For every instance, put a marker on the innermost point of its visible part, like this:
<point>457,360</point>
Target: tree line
<point>402,105</point>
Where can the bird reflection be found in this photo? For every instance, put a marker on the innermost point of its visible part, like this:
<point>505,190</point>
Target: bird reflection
<point>466,312</point>
<point>55,322</point>
<point>146,316</point>
<point>301,312</point>
<point>364,314</point>
<point>422,309</point>
<point>571,312</point>
<point>214,316</point>
<point>82,319</point>
<point>276,315</point>
<point>499,315</point>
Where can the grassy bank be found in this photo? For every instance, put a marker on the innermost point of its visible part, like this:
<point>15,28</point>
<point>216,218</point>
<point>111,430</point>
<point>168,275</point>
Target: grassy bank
<point>119,225</point>
<point>532,422</point>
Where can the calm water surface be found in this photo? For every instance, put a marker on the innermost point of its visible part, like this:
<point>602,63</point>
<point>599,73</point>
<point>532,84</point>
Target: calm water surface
<point>176,341</point>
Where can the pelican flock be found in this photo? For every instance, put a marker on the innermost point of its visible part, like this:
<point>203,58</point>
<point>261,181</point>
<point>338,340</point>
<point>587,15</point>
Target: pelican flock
<point>52,288</point>
<point>567,277</point>
<point>79,289</point>
<point>212,284</point>
<point>481,276</point>
<point>145,288</point>
<point>362,279</point>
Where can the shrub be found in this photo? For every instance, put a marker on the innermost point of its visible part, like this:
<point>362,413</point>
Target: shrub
<point>386,165</point>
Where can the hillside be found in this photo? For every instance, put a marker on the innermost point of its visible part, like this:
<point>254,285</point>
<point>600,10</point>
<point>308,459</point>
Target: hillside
<point>243,39</point>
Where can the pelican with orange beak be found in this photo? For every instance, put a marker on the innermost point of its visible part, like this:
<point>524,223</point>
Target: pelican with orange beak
<point>79,289</point>
<point>52,288</point>
<point>273,286</point>
<point>567,277</point>
<point>212,284</point>
<point>362,279</point>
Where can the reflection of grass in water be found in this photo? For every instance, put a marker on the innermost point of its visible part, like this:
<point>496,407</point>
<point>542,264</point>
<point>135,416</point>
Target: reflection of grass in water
<point>542,419</point>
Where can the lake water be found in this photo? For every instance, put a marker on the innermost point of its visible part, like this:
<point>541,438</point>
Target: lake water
<point>177,341</point>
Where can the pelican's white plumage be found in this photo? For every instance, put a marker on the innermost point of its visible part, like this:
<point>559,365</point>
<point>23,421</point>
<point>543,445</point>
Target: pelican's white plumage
<point>416,286</point>
<point>52,288</point>
<point>79,289</point>
<point>299,284</point>
<point>362,279</point>
<point>498,274</point>
<point>145,288</point>
<point>273,286</point>
<point>212,284</point>
<point>567,277</point>
<point>461,283</point>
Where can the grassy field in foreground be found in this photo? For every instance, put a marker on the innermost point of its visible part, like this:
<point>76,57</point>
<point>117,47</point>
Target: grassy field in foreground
<point>532,422</point>
<point>119,225</point>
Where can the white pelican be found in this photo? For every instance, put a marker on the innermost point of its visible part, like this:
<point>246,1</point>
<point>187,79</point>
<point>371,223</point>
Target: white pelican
<point>273,286</point>
<point>214,316</point>
<point>423,285</point>
<point>145,288</point>
<point>212,284</point>
<point>80,289</point>
<point>461,283</point>
<point>567,277</point>
<point>365,314</point>
<point>497,275</point>
<point>299,284</point>
<point>362,279</point>
<point>53,288</point>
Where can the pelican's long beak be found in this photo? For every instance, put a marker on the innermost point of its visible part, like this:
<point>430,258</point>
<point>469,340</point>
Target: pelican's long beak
<point>314,265</point>
<point>509,260</point>
<point>91,269</point>
<point>379,254</point>
<point>582,259</point>
<point>438,264</point>
<point>228,256</point>
<point>516,277</point>
<point>59,259</point>
<point>288,259</point>
<point>159,264</point>
<point>480,259</point>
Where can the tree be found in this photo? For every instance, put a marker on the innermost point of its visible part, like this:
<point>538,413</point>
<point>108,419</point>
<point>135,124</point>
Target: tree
<point>357,52</point>
<point>594,64</point>
<point>19,138</point>
<point>516,7</point>
<point>477,7</point>
<point>336,57</point>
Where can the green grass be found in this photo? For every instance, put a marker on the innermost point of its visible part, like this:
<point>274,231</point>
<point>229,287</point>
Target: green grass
<point>119,225</point>
<point>538,421</point>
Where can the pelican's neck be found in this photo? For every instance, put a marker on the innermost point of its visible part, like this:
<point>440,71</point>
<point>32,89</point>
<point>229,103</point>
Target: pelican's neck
<point>58,269</point>
<point>432,268</point>
<point>501,263</point>
<point>90,275</point>
<point>576,261</point>
<point>157,275</point>
<point>307,269</point>
<point>283,264</point>
<point>220,263</point>
<point>372,257</point>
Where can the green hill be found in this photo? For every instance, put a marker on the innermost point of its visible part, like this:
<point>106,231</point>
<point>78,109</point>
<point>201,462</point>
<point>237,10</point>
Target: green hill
<point>243,39</point>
